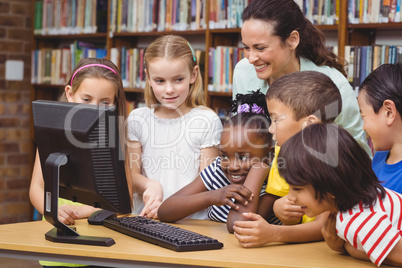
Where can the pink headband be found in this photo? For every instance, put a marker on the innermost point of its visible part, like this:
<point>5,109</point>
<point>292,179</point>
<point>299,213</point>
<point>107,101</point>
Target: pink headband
<point>90,65</point>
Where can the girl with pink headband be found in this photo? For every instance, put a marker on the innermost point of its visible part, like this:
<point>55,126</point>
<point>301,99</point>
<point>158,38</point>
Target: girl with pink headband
<point>94,81</point>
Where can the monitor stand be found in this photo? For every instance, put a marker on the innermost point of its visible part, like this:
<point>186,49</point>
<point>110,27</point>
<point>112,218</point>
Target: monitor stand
<point>62,233</point>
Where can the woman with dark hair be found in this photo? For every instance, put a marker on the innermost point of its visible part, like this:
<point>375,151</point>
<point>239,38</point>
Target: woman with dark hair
<point>278,40</point>
<point>327,170</point>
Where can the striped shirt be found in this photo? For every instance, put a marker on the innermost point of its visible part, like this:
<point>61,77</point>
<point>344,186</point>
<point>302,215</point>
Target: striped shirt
<point>375,229</point>
<point>214,179</point>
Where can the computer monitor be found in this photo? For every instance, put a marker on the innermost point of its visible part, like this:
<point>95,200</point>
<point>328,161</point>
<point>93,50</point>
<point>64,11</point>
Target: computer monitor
<point>81,159</point>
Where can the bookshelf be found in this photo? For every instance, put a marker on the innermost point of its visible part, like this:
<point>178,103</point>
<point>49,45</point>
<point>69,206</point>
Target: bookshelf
<point>203,27</point>
<point>364,45</point>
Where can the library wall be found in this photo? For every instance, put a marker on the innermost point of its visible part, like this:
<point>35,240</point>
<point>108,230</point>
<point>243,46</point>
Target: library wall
<point>15,144</point>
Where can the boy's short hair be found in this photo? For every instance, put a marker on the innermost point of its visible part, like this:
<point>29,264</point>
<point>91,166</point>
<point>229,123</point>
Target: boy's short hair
<point>307,93</point>
<point>384,83</point>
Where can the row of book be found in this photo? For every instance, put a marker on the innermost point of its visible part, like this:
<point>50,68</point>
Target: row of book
<point>54,66</point>
<point>362,60</point>
<point>226,13</point>
<point>130,62</point>
<point>222,61</point>
<point>56,17</point>
<point>157,15</point>
<point>374,11</point>
<point>320,12</point>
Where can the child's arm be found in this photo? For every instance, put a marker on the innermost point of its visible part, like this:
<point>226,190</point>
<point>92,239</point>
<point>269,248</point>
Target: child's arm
<point>37,188</point>
<point>287,211</point>
<point>255,178</point>
<point>330,236</point>
<point>151,190</point>
<point>207,156</point>
<point>355,253</point>
<point>188,200</point>
<point>67,214</point>
<point>256,231</point>
<point>395,256</point>
<point>195,197</point>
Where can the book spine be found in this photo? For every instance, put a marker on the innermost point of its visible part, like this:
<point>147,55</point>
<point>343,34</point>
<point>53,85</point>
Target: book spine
<point>101,16</point>
<point>38,17</point>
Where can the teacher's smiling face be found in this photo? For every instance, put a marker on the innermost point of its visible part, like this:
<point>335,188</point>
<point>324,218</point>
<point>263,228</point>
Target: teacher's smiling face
<point>271,57</point>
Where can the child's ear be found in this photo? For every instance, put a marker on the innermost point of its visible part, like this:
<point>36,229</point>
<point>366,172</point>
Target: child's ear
<point>311,119</point>
<point>390,111</point>
<point>194,74</point>
<point>69,93</point>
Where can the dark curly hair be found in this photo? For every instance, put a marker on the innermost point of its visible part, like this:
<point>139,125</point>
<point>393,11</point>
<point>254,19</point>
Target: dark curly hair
<point>254,114</point>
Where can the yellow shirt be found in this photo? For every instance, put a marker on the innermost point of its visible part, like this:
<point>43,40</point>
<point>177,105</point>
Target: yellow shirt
<point>276,183</point>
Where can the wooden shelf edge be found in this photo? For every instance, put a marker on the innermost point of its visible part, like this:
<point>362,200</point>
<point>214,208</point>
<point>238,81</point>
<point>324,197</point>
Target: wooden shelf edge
<point>133,90</point>
<point>225,30</point>
<point>155,33</point>
<point>333,27</point>
<point>70,36</point>
<point>219,94</point>
<point>390,25</point>
<point>48,86</point>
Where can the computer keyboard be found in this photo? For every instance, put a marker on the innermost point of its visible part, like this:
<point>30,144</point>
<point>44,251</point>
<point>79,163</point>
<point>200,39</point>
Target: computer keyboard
<point>162,234</point>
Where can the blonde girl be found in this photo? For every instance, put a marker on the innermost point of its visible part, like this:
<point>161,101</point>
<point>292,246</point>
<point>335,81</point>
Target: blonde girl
<point>175,136</point>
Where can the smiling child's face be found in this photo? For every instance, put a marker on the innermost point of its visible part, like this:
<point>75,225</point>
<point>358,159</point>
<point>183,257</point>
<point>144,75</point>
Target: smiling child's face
<point>304,196</point>
<point>241,148</point>
<point>283,124</point>
<point>375,124</point>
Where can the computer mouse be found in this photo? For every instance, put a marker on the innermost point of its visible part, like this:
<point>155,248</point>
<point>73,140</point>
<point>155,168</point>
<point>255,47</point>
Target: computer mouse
<point>99,216</point>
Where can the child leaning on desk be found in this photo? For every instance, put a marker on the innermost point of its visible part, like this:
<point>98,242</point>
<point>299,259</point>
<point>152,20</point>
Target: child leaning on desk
<point>93,81</point>
<point>380,101</point>
<point>294,101</point>
<point>235,182</point>
<point>175,137</point>
<point>365,219</point>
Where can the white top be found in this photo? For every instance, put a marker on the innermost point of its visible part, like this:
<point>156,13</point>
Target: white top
<point>171,147</point>
<point>375,229</point>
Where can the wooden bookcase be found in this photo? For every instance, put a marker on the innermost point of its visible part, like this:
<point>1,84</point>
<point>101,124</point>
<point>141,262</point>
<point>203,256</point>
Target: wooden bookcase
<point>348,34</point>
<point>211,37</point>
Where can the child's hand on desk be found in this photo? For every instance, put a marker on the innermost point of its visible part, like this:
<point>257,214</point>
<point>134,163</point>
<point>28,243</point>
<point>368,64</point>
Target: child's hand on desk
<point>287,211</point>
<point>329,233</point>
<point>152,198</point>
<point>255,232</point>
<point>67,214</point>
<point>224,195</point>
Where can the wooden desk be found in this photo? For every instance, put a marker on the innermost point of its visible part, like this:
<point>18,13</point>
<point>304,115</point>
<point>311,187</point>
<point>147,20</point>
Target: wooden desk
<point>27,240</point>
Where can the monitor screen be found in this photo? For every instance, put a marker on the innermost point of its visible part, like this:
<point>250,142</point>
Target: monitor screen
<point>81,157</point>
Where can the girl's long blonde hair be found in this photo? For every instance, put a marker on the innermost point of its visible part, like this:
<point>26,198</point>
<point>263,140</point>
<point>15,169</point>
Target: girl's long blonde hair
<point>174,47</point>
